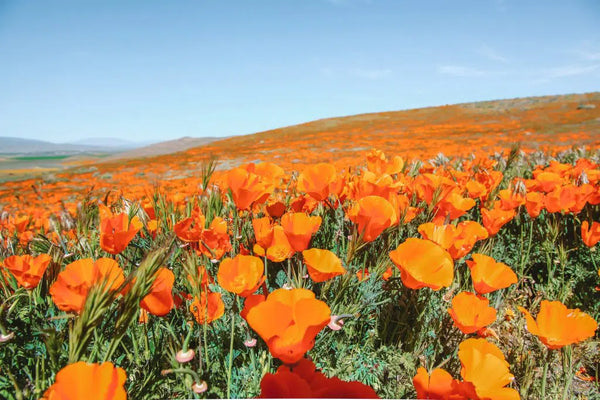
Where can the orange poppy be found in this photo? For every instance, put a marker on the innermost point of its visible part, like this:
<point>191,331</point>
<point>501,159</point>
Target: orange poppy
<point>322,265</point>
<point>214,241</point>
<point>534,203</point>
<point>459,240</point>
<point>88,381</point>
<point>316,180</point>
<point>299,228</point>
<point>190,229</point>
<point>160,299</point>
<point>279,248</point>
<point>117,231</point>
<point>495,219</point>
<point>26,269</point>
<point>300,317</point>
<point>263,231</point>
<point>302,380</point>
<point>73,284</point>
<point>372,215</point>
<point>246,188</point>
<point>559,326</point>
<point>471,313</point>
<point>378,163</point>
<point>241,275</point>
<point>438,385</point>
<point>485,371</point>
<point>489,275</point>
<point>453,206</point>
<point>590,235</point>
<point>423,263</point>
<point>209,308</point>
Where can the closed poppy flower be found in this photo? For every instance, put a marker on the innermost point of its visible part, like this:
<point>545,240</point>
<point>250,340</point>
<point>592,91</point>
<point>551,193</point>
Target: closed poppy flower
<point>299,228</point>
<point>247,188</point>
<point>423,263</point>
<point>116,232</point>
<point>489,275</point>
<point>81,380</point>
<point>471,313</point>
<point>558,326</point>
<point>209,308</point>
<point>534,203</point>
<point>190,229</point>
<point>316,179</point>
<point>322,265</point>
<point>439,385</point>
<point>241,275</point>
<point>26,269</point>
<point>302,380</point>
<point>590,235</point>
<point>300,317</point>
<point>263,231</point>
<point>160,299</point>
<point>74,283</point>
<point>495,219</point>
<point>485,371</point>
<point>372,215</point>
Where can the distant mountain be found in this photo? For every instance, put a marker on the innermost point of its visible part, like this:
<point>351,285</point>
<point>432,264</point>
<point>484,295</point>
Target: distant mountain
<point>167,147</point>
<point>112,142</point>
<point>15,145</point>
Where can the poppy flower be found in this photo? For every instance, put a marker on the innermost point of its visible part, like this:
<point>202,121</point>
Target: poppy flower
<point>214,241</point>
<point>209,308</point>
<point>322,265</point>
<point>485,371</point>
<point>561,199</point>
<point>117,231</point>
<point>489,275</point>
<point>75,281</point>
<point>302,380</point>
<point>299,228</point>
<point>453,206</point>
<point>190,229</point>
<point>279,249</point>
<point>534,203</point>
<point>559,326</point>
<point>590,235</point>
<point>316,179</point>
<point>423,263</point>
<point>160,299</point>
<point>263,231</point>
<point>378,163</point>
<point>26,269</point>
<point>438,385</point>
<point>246,188</point>
<point>457,240</point>
<point>300,317</point>
<point>372,215</point>
<point>471,313</point>
<point>88,381</point>
<point>495,219</point>
<point>241,275</point>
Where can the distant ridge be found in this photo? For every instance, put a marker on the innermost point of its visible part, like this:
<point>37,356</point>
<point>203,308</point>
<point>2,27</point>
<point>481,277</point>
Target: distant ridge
<point>167,147</point>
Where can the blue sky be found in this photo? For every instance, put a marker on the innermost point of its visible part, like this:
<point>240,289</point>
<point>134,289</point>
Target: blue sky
<point>158,70</point>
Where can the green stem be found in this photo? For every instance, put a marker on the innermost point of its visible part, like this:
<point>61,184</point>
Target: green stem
<point>569,372</point>
<point>545,372</point>
<point>230,354</point>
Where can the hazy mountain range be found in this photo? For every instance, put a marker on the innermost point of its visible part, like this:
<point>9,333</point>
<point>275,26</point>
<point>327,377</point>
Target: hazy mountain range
<point>15,145</point>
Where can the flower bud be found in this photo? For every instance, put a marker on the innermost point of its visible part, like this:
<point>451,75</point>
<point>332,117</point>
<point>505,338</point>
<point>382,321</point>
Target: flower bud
<point>185,356</point>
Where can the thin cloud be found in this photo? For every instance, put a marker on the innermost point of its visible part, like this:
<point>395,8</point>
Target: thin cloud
<point>569,70</point>
<point>492,54</point>
<point>461,71</point>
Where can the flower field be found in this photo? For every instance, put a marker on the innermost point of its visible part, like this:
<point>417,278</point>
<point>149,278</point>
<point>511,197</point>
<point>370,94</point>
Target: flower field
<point>345,258</point>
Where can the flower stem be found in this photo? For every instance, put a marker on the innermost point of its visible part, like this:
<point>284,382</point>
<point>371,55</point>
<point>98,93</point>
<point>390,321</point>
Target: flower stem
<point>545,372</point>
<point>230,352</point>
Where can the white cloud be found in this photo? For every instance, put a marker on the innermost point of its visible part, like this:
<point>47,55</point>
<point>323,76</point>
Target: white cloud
<point>569,70</point>
<point>492,54</point>
<point>461,71</point>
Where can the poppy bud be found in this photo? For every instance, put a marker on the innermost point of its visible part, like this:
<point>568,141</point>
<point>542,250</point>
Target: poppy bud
<point>200,387</point>
<point>185,356</point>
<point>250,342</point>
<point>336,323</point>
<point>6,337</point>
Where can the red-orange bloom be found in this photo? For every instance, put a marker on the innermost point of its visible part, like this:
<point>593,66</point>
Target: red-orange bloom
<point>423,263</point>
<point>302,380</point>
<point>559,326</point>
<point>322,265</point>
<point>73,284</point>
<point>241,275</point>
<point>300,317</point>
<point>214,241</point>
<point>485,371</point>
<point>88,381</point>
<point>160,299</point>
<point>534,203</point>
<point>372,215</point>
<point>488,275</point>
<point>471,313</point>
<point>316,179</point>
<point>247,188</point>
<point>590,235</point>
<point>190,229</point>
<point>438,386</point>
<point>495,219</point>
<point>299,228</point>
<point>209,308</point>
<point>457,240</point>
<point>116,232</point>
<point>27,270</point>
